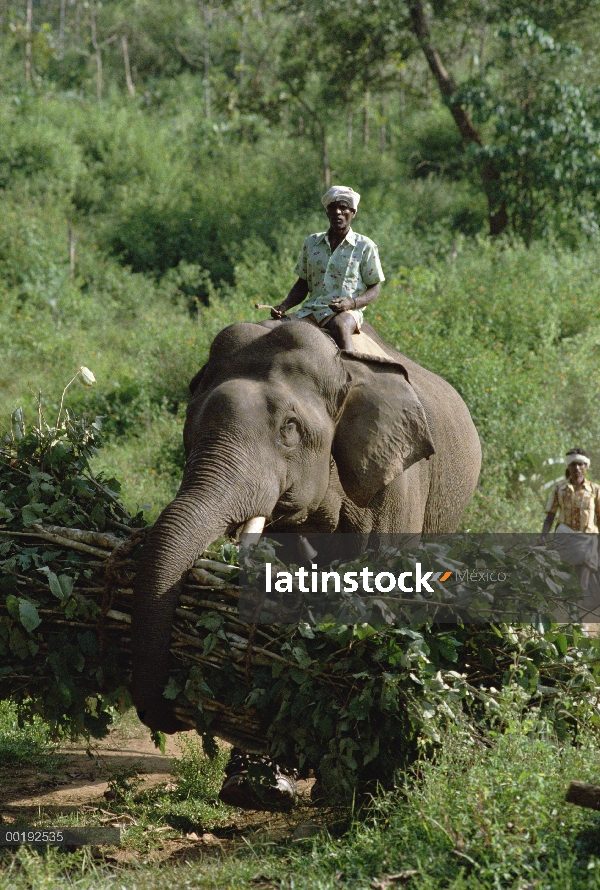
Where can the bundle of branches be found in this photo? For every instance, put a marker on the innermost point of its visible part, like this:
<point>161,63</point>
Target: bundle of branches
<point>352,699</point>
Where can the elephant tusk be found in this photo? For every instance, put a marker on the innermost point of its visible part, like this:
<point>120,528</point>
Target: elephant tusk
<point>253,527</point>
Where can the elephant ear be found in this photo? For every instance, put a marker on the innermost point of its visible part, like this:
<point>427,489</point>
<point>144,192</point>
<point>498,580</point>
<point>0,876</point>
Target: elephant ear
<point>381,432</point>
<point>197,380</point>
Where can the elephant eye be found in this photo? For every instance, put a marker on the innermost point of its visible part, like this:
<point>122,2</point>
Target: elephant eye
<point>290,434</point>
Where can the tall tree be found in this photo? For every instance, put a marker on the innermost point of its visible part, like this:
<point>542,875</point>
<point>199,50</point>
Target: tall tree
<point>492,183</point>
<point>28,42</point>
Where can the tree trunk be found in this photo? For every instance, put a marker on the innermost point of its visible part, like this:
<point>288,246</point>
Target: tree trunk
<point>207,23</point>
<point>77,24</point>
<point>242,61</point>
<point>326,169</point>
<point>128,80</point>
<point>492,184</point>
<point>97,51</point>
<point>28,29</point>
<point>72,246</point>
<point>61,29</point>
<point>383,131</point>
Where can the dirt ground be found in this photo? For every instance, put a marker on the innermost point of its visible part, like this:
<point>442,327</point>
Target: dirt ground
<point>82,777</point>
<point>78,782</point>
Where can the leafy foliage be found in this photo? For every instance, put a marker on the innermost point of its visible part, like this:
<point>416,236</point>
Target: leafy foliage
<point>543,139</point>
<point>22,743</point>
<point>45,477</point>
<point>377,692</point>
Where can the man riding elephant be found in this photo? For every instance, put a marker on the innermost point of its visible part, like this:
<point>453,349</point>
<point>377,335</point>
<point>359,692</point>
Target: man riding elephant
<point>284,428</point>
<point>339,269</point>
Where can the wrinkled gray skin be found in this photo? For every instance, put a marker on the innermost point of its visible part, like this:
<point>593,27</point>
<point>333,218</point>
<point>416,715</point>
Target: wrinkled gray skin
<point>282,424</point>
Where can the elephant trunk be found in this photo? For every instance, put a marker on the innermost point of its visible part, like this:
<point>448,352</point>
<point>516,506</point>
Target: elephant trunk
<point>195,518</point>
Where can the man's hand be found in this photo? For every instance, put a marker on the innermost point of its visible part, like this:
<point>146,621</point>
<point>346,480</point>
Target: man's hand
<point>541,541</point>
<point>277,311</point>
<point>341,305</point>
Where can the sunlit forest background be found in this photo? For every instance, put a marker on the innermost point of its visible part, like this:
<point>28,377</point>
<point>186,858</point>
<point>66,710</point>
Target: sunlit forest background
<point>161,163</point>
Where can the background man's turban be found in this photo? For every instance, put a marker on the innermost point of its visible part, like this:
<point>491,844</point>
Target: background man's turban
<point>572,458</point>
<point>341,193</point>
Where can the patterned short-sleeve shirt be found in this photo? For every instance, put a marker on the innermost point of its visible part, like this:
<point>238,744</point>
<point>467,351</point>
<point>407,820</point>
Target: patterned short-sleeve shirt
<point>353,267</point>
<point>578,508</point>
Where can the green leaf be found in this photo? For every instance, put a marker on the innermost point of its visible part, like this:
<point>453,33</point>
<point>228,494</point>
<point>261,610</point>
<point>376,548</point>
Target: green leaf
<point>5,513</point>
<point>428,710</point>
<point>209,643</point>
<point>98,516</point>
<point>211,621</point>
<point>18,644</point>
<point>88,643</point>
<point>447,648</point>
<point>373,752</point>
<point>364,631</point>
<point>172,689</point>
<point>306,630</point>
<point>302,656</point>
<point>159,739</point>
<point>12,606</point>
<point>31,513</point>
<point>28,615</point>
<point>560,641</point>
<point>71,608</point>
<point>61,585</point>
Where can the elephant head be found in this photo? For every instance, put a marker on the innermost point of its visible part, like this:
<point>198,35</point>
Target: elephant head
<point>272,414</point>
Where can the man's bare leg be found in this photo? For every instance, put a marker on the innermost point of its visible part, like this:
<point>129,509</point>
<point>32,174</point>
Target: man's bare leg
<point>341,327</point>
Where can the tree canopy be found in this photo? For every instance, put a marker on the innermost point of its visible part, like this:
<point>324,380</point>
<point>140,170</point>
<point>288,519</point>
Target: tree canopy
<point>519,81</point>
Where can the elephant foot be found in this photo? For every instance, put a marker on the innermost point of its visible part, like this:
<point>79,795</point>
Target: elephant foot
<point>162,721</point>
<point>256,783</point>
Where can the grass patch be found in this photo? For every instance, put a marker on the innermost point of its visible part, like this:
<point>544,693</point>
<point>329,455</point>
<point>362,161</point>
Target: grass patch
<point>26,744</point>
<point>187,804</point>
<point>477,817</point>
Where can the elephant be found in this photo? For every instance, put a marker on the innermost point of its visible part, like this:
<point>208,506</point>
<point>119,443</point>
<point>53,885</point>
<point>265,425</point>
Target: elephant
<point>284,425</point>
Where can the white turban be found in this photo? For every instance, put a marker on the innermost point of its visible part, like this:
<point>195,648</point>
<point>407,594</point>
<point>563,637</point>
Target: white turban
<point>577,458</point>
<point>341,193</point>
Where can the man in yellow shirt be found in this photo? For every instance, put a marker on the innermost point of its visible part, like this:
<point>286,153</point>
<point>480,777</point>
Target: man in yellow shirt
<point>576,500</point>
